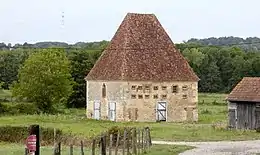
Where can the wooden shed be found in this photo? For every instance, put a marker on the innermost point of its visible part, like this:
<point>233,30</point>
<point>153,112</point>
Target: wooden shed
<point>244,104</point>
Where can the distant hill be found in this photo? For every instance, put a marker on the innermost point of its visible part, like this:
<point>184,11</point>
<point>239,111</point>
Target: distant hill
<point>250,43</point>
<point>47,44</point>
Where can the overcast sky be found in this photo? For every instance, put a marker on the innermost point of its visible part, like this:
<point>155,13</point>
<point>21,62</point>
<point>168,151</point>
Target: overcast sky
<point>94,20</point>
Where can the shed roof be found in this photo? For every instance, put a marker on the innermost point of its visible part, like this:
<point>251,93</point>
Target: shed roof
<point>141,50</point>
<point>247,90</point>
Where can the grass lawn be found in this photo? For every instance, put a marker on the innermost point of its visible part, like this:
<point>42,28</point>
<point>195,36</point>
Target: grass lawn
<point>212,109</point>
<point>74,121</point>
<point>15,149</point>
<point>168,149</point>
<point>18,149</point>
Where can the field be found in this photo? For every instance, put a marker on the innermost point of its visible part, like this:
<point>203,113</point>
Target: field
<point>16,149</point>
<point>212,110</point>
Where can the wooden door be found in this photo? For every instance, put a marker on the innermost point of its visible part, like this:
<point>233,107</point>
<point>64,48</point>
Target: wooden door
<point>112,111</point>
<point>97,110</point>
<point>232,118</point>
<point>161,111</point>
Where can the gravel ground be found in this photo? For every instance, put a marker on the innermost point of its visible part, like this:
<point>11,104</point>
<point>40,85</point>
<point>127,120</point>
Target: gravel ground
<point>219,148</point>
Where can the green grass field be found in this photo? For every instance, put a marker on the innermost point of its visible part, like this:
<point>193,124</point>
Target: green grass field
<point>74,121</point>
<point>15,149</point>
<point>212,109</point>
<point>168,149</point>
<point>19,149</point>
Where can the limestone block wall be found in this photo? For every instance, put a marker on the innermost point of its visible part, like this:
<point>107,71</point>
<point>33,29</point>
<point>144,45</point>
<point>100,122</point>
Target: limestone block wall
<point>115,92</point>
<point>137,100</point>
<point>180,105</point>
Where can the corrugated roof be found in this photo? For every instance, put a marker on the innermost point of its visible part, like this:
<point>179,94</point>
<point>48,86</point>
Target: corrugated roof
<point>141,50</point>
<point>248,89</point>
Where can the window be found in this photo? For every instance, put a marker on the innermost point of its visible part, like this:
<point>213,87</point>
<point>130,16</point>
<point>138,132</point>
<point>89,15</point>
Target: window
<point>185,87</point>
<point>184,96</point>
<point>175,89</point>
<point>140,96</point>
<point>164,96</point>
<point>155,87</point>
<point>147,87</point>
<point>139,87</point>
<point>155,96</point>
<point>133,96</point>
<point>133,87</point>
<point>104,91</point>
<point>146,96</point>
<point>164,87</point>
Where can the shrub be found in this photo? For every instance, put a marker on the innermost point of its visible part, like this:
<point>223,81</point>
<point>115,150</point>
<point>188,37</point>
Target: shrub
<point>18,108</point>
<point>3,108</point>
<point>18,134</point>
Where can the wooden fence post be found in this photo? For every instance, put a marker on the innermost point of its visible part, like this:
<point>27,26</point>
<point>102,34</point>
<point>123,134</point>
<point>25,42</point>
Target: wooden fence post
<point>124,140</point>
<point>147,139</point>
<point>139,141</point>
<point>142,139</point>
<point>149,136</point>
<point>128,141</point>
<point>26,151</point>
<point>93,147</point>
<point>134,141</point>
<point>103,145</point>
<point>110,144</point>
<point>117,142</point>
<point>54,143</point>
<point>59,148</point>
<point>35,130</point>
<point>71,149</point>
<point>81,147</point>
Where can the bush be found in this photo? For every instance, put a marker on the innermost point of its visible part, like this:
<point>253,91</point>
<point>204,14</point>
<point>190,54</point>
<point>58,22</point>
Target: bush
<point>18,134</point>
<point>18,108</point>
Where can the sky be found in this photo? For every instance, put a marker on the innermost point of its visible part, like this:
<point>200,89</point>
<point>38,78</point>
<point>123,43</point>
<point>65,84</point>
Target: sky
<point>95,20</point>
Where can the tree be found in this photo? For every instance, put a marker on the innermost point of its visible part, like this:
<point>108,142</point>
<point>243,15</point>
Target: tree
<point>1,86</point>
<point>209,75</point>
<point>81,63</point>
<point>10,61</point>
<point>45,79</point>
<point>194,57</point>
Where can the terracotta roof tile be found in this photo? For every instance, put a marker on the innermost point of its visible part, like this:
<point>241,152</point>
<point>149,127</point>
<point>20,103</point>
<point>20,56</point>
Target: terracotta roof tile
<point>248,89</point>
<point>141,50</point>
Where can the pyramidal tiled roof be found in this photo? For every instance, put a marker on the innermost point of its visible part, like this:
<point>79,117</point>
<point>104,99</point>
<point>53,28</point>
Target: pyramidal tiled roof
<point>248,89</point>
<point>141,50</point>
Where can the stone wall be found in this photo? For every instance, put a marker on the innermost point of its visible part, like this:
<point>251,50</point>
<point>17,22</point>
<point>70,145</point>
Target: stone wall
<point>137,101</point>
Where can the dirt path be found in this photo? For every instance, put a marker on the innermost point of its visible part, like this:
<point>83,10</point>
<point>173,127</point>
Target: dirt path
<point>219,148</point>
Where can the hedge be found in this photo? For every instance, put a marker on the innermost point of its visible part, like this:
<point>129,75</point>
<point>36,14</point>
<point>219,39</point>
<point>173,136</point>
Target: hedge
<point>18,108</point>
<point>18,134</point>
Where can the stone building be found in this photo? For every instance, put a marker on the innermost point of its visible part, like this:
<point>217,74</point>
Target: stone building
<point>141,76</point>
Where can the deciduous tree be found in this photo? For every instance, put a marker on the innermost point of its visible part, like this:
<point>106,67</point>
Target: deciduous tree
<point>45,79</point>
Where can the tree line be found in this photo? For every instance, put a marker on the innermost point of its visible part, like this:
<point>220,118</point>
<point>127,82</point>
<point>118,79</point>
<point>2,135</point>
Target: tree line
<point>218,67</point>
